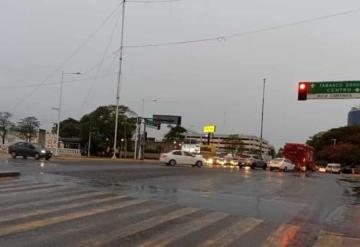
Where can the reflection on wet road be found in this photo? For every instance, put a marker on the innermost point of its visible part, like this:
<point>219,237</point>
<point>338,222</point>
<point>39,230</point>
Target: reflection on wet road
<point>305,207</point>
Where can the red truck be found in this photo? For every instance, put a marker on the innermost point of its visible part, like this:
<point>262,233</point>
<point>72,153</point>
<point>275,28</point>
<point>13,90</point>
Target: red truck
<point>301,155</point>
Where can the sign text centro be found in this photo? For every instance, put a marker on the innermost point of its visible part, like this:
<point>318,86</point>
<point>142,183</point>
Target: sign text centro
<point>209,128</point>
<point>334,90</point>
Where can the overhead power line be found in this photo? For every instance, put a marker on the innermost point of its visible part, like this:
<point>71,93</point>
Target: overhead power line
<point>76,51</point>
<point>240,34</point>
<point>153,1</point>
<point>58,83</point>
<point>100,66</point>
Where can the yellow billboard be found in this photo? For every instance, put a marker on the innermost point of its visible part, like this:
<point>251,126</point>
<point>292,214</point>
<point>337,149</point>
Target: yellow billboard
<point>209,128</point>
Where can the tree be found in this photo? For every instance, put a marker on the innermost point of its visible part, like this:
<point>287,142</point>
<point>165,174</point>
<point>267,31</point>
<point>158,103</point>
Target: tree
<point>341,145</point>
<point>28,128</point>
<point>280,152</point>
<point>175,134</point>
<point>5,125</point>
<point>101,123</point>
<point>69,128</point>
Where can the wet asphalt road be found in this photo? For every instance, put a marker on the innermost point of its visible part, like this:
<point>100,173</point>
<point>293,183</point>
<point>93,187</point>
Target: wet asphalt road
<point>317,202</point>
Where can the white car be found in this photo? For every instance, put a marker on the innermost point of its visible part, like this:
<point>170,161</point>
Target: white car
<point>333,168</point>
<point>175,157</point>
<point>281,164</point>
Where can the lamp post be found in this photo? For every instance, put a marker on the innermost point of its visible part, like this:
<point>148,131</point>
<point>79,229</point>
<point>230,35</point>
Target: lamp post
<point>60,106</point>
<point>262,118</point>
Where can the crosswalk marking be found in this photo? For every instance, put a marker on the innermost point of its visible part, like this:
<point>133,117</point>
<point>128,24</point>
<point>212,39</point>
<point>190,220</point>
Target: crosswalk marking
<point>174,234</point>
<point>122,232</point>
<point>326,239</point>
<point>32,205</point>
<point>229,234</point>
<point>282,236</point>
<point>45,201</point>
<point>71,216</point>
<point>77,229</point>
<point>16,184</point>
<point>350,242</point>
<point>88,202</point>
<point>26,188</point>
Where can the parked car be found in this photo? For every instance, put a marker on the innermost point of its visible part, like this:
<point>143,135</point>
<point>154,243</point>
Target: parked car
<point>175,157</point>
<point>333,168</point>
<point>219,161</point>
<point>281,164</point>
<point>26,149</point>
<point>322,169</point>
<point>347,169</point>
<point>252,162</point>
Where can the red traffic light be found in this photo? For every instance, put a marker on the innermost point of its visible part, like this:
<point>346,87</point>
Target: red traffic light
<point>302,90</point>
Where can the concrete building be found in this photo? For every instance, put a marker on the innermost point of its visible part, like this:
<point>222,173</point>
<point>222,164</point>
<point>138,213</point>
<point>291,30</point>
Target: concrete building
<point>354,116</point>
<point>246,144</point>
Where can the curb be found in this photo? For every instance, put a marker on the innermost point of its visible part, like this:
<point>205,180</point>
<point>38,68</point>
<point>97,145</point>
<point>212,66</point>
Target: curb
<point>6,174</point>
<point>106,160</point>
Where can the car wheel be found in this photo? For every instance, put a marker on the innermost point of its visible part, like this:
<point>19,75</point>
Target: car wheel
<point>172,163</point>
<point>240,166</point>
<point>47,158</point>
<point>13,155</point>
<point>264,167</point>
<point>271,169</point>
<point>24,157</point>
<point>253,166</point>
<point>285,169</point>
<point>37,156</point>
<point>199,164</point>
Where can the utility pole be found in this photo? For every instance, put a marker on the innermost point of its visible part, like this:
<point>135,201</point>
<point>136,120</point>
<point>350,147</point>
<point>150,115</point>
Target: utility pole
<point>59,108</point>
<point>89,145</point>
<point>262,118</point>
<point>119,79</point>
<point>59,113</point>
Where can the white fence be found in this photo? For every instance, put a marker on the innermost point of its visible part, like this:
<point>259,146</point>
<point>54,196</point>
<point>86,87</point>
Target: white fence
<point>66,151</point>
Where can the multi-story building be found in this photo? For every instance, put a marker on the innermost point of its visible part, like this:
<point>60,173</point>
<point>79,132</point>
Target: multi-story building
<point>246,144</point>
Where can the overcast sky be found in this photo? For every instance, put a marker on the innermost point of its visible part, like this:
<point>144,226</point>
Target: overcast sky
<point>216,82</point>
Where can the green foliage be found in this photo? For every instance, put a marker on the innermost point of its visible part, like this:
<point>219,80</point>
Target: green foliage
<point>69,128</point>
<point>175,134</point>
<point>345,151</point>
<point>28,127</point>
<point>5,125</point>
<point>101,123</point>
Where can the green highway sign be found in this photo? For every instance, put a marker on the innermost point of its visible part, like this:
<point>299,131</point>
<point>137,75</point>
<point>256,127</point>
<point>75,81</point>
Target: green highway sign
<point>151,123</point>
<point>330,89</point>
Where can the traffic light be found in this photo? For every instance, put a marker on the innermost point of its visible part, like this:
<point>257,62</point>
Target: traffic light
<point>302,90</point>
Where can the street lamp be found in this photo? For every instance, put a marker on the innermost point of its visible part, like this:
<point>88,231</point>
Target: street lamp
<point>58,109</point>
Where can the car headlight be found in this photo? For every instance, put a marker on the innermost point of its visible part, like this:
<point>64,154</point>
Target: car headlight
<point>43,151</point>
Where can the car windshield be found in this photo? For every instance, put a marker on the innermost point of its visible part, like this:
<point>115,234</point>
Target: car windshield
<point>38,146</point>
<point>277,160</point>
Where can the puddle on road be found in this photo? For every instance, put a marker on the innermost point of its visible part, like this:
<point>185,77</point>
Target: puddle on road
<point>351,188</point>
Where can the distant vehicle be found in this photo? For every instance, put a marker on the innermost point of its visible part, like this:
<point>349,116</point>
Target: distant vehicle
<point>322,169</point>
<point>219,161</point>
<point>252,162</point>
<point>26,149</point>
<point>281,164</point>
<point>333,168</point>
<point>175,157</point>
<point>301,155</point>
<point>347,169</point>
